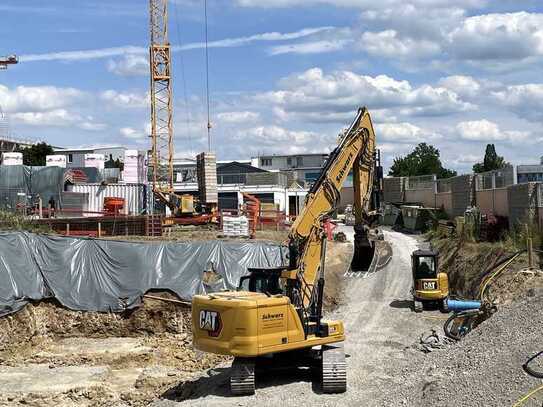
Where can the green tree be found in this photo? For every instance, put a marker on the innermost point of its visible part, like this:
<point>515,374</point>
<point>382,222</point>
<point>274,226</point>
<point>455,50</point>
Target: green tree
<point>36,153</point>
<point>424,160</point>
<point>111,163</point>
<point>492,161</point>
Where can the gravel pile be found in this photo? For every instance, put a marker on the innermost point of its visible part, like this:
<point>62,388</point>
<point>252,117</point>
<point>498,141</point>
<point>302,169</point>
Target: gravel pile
<point>485,368</point>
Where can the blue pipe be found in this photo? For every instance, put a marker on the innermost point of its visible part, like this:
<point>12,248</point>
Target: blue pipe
<point>458,305</point>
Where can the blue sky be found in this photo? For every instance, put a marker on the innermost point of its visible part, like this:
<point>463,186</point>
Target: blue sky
<point>286,75</point>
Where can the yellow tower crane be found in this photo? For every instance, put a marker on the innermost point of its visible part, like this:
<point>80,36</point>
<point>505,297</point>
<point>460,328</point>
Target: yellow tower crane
<point>161,102</point>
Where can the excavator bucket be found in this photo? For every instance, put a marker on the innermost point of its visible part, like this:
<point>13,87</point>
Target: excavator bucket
<point>364,250</point>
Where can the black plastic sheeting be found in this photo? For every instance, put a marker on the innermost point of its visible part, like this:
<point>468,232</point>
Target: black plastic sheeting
<point>107,275</point>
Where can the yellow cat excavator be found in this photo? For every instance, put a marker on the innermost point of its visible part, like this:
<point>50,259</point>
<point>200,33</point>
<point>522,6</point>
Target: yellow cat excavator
<point>277,314</point>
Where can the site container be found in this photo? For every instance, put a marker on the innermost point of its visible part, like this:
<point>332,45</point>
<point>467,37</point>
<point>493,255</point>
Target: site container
<point>134,195</point>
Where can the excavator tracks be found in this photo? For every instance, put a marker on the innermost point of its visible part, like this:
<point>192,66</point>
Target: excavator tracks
<point>242,378</point>
<point>334,368</point>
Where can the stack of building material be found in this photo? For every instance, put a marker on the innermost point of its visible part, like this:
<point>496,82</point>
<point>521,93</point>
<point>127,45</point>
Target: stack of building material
<point>134,167</point>
<point>12,158</point>
<point>55,161</point>
<point>235,226</point>
<point>206,167</point>
<point>95,161</point>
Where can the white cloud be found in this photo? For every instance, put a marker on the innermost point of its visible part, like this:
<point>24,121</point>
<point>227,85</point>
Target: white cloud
<point>485,130</point>
<point>389,44</point>
<point>82,55</point>
<point>58,118</point>
<point>525,100</point>
<point>313,47</point>
<point>131,133</point>
<point>313,92</point>
<point>129,65</point>
<point>37,98</point>
<point>498,37</point>
<point>404,133</point>
<point>465,86</point>
<point>238,117</point>
<point>126,100</point>
<point>275,139</point>
<point>361,4</point>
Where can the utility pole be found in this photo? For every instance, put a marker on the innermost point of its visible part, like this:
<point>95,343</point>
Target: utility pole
<point>161,100</point>
<point>8,60</point>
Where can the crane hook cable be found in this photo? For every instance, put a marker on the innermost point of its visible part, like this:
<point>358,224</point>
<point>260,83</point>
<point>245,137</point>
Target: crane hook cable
<point>207,80</point>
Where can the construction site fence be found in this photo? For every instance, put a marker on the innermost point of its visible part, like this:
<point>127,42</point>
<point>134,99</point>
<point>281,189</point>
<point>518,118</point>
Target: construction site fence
<point>493,192</point>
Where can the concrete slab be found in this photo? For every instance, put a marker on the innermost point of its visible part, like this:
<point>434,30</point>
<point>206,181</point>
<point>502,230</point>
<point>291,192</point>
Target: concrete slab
<point>40,378</point>
<point>91,346</point>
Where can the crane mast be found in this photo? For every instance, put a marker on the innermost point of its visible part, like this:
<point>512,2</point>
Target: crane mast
<point>161,101</point>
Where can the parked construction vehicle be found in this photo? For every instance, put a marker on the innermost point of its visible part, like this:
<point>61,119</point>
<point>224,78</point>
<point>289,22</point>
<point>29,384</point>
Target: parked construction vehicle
<point>428,284</point>
<point>277,314</point>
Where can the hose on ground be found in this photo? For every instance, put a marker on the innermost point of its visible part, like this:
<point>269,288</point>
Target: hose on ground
<point>530,370</point>
<point>491,276</point>
<point>527,396</point>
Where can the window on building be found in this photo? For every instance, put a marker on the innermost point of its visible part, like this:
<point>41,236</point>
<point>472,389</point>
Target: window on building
<point>266,162</point>
<point>299,161</point>
<point>289,161</point>
<point>311,176</point>
<point>70,158</point>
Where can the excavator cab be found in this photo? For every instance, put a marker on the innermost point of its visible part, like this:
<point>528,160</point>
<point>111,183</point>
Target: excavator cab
<point>266,281</point>
<point>428,284</point>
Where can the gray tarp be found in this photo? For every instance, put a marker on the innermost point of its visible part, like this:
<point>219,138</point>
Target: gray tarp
<point>107,275</point>
<point>21,184</point>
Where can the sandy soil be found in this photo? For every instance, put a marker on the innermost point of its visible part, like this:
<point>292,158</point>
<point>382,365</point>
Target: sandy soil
<point>50,356</point>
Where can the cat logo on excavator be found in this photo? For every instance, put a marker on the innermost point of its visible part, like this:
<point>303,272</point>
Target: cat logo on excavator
<point>211,322</point>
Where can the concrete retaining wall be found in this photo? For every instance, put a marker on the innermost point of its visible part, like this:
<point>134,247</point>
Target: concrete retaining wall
<point>426,197</point>
<point>524,204</point>
<point>462,194</point>
<point>393,189</point>
<point>444,200</point>
<point>493,201</point>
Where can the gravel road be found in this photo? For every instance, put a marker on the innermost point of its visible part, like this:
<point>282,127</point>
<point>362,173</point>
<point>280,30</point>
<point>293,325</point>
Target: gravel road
<point>381,329</point>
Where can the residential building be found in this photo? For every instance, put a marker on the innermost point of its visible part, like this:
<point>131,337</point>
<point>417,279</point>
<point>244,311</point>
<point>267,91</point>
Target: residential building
<point>236,177</point>
<point>9,144</point>
<point>304,168</point>
<point>75,157</point>
<point>530,173</point>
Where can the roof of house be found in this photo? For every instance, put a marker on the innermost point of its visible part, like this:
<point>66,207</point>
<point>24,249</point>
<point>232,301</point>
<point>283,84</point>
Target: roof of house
<point>241,167</point>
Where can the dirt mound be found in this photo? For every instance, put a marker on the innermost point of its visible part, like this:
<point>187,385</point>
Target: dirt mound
<point>466,263</point>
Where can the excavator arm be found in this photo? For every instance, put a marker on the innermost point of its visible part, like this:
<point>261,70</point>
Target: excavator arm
<point>355,152</point>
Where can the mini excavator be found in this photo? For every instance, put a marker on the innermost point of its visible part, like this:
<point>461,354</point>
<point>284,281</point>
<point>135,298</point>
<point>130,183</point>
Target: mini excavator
<point>278,313</point>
